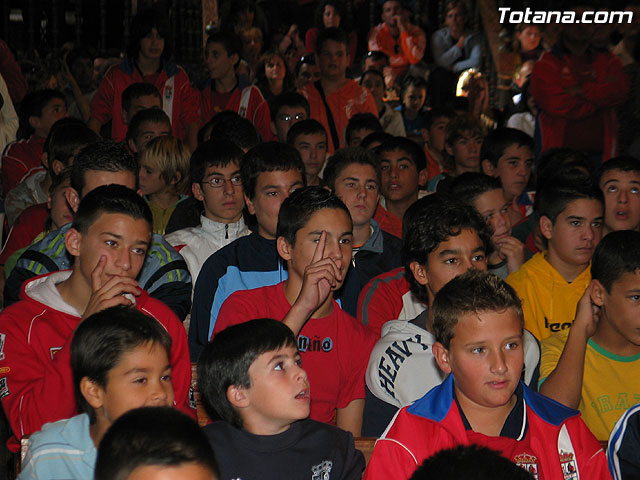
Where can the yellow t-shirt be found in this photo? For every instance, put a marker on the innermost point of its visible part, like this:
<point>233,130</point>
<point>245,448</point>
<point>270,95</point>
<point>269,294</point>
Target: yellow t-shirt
<point>548,300</point>
<point>610,386</point>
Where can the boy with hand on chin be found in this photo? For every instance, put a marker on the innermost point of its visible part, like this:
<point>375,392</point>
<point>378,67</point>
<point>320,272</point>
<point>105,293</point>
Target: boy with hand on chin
<point>251,377</point>
<point>108,240</point>
<point>314,238</point>
<point>478,326</point>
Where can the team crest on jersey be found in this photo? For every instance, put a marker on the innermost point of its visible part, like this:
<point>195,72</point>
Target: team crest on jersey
<point>322,471</point>
<point>2,337</point>
<point>4,389</point>
<point>168,92</point>
<point>53,351</point>
<point>527,462</point>
<point>569,467</point>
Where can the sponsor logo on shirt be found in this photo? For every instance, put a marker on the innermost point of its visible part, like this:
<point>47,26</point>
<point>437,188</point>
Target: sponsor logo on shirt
<point>322,471</point>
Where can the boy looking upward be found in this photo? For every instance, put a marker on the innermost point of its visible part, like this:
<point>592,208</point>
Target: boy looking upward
<point>334,99</point>
<point>478,326</point>
<point>108,241</point>
<point>269,172</point>
<point>594,366</point>
<point>251,378</point>
<point>404,170</point>
<point>353,174</point>
<point>552,282</point>
<point>619,180</point>
<point>120,361</point>
<point>314,238</point>
<point>214,171</point>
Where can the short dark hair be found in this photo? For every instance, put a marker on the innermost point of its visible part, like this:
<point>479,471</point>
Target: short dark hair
<point>149,115</point>
<point>110,199</point>
<point>375,137</point>
<point>498,140</point>
<point>137,90</point>
<point>470,185</point>
<point>231,42</point>
<point>231,126</point>
<point>336,34</point>
<point>474,291</point>
<point>469,461</point>
<point>268,157</point>
<point>344,157</point>
<point>377,55</point>
<point>319,13</point>
<point>226,360</point>
<point>564,162</point>
<point>103,156</point>
<point>288,99</point>
<point>213,153</point>
<point>430,221</point>
<point>616,254</point>
<point>415,80</point>
<point>142,25</point>
<point>33,103</point>
<point>297,209</point>
<point>305,127</point>
<point>624,163</point>
<point>153,436</point>
<point>361,121</point>
<point>308,59</point>
<point>460,124</point>
<point>557,195</point>
<point>65,137</point>
<point>435,113</point>
<point>100,341</point>
<point>411,148</point>
<point>375,73</point>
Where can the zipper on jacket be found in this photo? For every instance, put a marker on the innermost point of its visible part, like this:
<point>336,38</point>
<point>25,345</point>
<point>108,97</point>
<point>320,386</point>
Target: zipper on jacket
<point>226,230</point>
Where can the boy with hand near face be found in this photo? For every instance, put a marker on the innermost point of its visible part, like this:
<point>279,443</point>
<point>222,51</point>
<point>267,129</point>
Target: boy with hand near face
<point>251,378</point>
<point>619,180</point>
<point>314,238</point>
<point>594,366</point>
<point>120,361</point>
<point>552,282</point>
<point>269,173</point>
<point>108,240</point>
<point>478,326</point>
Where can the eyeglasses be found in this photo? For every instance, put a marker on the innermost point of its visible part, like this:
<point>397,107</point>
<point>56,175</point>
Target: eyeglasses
<point>287,118</point>
<point>219,182</point>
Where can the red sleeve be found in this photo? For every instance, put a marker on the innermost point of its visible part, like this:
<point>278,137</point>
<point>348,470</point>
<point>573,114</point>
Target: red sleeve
<point>35,389</point>
<point>413,44</point>
<point>103,100</point>
<point>262,118</point>
<point>236,309</point>
<point>189,102</point>
<point>390,460</point>
<point>180,359</point>
<point>612,84</point>
<point>591,458</point>
<point>26,227</point>
<point>310,40</point>
<point>379,302</point>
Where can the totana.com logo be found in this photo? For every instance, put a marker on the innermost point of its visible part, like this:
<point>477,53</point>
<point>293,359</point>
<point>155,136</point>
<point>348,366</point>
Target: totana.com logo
<point>508,15</point>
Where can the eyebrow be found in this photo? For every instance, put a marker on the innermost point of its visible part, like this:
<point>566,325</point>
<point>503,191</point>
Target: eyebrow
<point>120,237</point>
<point>319,232</point>
<point>146,370</point>
<point>221,174</point>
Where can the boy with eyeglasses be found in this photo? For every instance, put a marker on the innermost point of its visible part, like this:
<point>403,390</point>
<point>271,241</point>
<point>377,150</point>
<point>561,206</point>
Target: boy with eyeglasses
<point>215,181</point>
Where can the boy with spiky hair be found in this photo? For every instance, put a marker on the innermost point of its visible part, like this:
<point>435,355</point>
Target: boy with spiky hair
<point>108,241</point>
<point>120,361</point>
<point>314,237</point>
<point>478,326</point>
<point>594,365</point>
<point>251,379</point>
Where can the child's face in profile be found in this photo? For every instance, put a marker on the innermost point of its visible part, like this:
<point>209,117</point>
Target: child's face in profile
<point>150,179</point>
<point>142,378</point>
<point>58,207</point>
<point>313,150</point>
<point>620,311</point>
<point>494,208</point>
<point>221,192</point>
<point>575,234</point>
<point>437,133</point>
<point>485,357</point>
<point>279,393</point>
<point>185,471</point>
<point>621,199</point>
<point>513,168</point>
<point>400,179</point>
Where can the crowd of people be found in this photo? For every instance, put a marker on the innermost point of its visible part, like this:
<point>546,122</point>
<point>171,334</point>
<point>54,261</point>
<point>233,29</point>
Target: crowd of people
<point>347,245</point>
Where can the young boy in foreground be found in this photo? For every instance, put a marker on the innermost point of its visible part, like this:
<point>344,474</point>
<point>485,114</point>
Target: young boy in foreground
<point>595,365</point>
<point>251,377</point>
<point>478,327</point>
<point>314,238</point>
<point>108,241</point>
<point>155,443</point>
<point>120,361</point>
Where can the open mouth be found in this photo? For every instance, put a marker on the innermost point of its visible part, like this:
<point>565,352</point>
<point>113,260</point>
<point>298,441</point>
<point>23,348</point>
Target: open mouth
<point>303,395</point>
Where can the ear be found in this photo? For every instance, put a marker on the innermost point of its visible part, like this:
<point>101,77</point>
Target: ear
<point>176,179</point>
<point>91,392</point>
<point>597,293</point>
<point>57,166</point>
<point>546,227</point>
<point>488,168</point>
<point>273,128</point>
<point>249,204</point>
<point>34,122</point>
<point>441,356</point>
<point>124,114</point>
<point>284,248</point>
<point>237,396</point>
<point>235,58</point>
<point>196,189</point>
<point>44,159</point>
<point>448,148</point>
<point>72,198</point>
<point>132,145</point>
<point>419,273</point>
<point>422,177</point>
<point>73,241</point>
